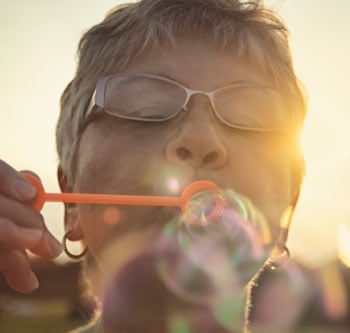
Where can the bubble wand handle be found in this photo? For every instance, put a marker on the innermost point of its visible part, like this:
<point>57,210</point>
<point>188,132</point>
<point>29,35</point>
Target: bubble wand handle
<point>116,199</point>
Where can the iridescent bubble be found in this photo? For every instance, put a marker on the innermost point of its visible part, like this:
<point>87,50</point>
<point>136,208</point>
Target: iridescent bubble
<point>219,244</point>
<point>192,277</point>
<point>270,311</point>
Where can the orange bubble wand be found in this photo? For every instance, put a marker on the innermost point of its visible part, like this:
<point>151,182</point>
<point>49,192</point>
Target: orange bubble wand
<point>116,199</point>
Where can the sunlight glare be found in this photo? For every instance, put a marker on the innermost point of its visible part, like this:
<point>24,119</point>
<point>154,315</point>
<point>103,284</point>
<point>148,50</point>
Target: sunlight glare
<point>173,185</point>
<point>344,242</point>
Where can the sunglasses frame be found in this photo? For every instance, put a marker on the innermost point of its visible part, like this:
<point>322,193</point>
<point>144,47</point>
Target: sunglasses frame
<point>97,102</point>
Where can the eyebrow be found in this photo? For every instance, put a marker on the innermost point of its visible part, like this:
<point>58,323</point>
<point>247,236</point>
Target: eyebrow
<point>167,76</point>
<point>163,74</point>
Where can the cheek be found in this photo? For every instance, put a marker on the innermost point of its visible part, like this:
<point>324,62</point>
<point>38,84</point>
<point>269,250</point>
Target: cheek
<point>111,160</point>
<point>96,232</point>
<point>262,171</point>
<point>99,164</point>
<point>104,225</point>
<point>100,223</point>
<point>108,161</point>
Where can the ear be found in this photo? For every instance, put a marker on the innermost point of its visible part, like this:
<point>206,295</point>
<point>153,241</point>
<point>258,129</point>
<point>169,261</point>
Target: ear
<point>72,224</point>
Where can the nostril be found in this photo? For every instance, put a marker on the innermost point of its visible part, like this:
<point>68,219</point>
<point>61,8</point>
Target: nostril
<point>183,153</point>
<point>209,158</point>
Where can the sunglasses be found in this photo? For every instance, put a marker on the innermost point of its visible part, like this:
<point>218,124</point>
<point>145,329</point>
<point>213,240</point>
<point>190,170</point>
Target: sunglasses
<point>152,98</point>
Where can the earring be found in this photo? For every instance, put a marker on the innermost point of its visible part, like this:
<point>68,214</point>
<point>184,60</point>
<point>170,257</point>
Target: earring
<point>281,251</point>
<point>70,254</point>
<point>279,255</point>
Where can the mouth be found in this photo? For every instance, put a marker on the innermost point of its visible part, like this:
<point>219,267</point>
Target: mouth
<point>142,216</point>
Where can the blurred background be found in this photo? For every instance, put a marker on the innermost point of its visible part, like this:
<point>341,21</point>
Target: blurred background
<point>38,58</point>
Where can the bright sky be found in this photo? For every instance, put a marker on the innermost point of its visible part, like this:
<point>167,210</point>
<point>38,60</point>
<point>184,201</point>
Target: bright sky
<point>37,59</point>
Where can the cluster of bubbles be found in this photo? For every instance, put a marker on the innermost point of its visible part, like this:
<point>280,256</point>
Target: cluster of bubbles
<point>203,260</point>
<point>222,239</point>
<point>218,245</point>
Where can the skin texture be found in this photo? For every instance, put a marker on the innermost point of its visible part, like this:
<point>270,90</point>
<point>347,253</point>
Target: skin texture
<point>120,156</point>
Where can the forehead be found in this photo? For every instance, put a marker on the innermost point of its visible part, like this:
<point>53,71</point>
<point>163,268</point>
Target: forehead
<point>198,64</point>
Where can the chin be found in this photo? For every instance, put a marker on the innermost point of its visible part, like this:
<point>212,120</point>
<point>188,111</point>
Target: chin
<point>137,300</point>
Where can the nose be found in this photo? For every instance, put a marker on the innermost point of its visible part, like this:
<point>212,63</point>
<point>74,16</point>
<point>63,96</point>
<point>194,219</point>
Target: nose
<point>199,141</point>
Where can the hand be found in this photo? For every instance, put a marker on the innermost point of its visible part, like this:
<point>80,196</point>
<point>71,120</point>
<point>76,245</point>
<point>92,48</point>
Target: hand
<point>22,229</point>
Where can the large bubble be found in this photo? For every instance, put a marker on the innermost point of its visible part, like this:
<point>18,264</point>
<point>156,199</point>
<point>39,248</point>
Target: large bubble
<point>220,241</point>
<point>198,268</point>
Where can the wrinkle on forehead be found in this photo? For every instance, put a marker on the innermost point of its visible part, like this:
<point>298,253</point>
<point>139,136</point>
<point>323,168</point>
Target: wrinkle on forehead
<point>192,58</point>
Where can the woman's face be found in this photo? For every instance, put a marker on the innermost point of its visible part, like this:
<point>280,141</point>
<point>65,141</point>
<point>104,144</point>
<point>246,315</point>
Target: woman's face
<point>129,157</point>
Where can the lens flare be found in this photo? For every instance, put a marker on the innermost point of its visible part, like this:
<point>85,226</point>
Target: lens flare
<point>217,246</point>
<point>173,185</point>
<point>111,215</point>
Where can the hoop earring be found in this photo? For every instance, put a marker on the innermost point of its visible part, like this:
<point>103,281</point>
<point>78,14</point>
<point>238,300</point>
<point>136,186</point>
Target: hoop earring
<point>280,254</point>
<point>70,254</point>
<point>282,251</point>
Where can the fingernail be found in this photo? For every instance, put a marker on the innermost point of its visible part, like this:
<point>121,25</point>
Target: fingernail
<point>32,281</point>
<point>24,189</point>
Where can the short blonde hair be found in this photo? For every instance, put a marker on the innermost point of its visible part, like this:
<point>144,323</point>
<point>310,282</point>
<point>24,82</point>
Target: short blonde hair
<point>132,30</point>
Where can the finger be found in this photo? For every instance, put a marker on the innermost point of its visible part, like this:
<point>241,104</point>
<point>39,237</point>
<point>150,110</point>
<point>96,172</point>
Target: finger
<point>14,185</point>
<point>14,237</point>
<point>20,213</point>
<point>16,269</point>
<point>48,247</point>
<point>23,216</point>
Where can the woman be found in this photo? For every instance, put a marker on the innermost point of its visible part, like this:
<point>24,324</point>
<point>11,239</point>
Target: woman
<point>165,91</point>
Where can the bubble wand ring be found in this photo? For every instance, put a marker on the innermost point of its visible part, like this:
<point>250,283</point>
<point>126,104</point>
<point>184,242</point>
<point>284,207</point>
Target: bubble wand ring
<point>117,199</point>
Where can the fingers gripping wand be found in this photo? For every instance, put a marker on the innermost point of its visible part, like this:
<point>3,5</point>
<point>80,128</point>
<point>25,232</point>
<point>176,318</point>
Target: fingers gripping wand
<point>117,199</point>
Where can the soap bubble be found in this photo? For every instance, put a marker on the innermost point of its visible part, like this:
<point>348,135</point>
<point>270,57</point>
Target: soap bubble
<point>195,273</point>
<point>221,241</point>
